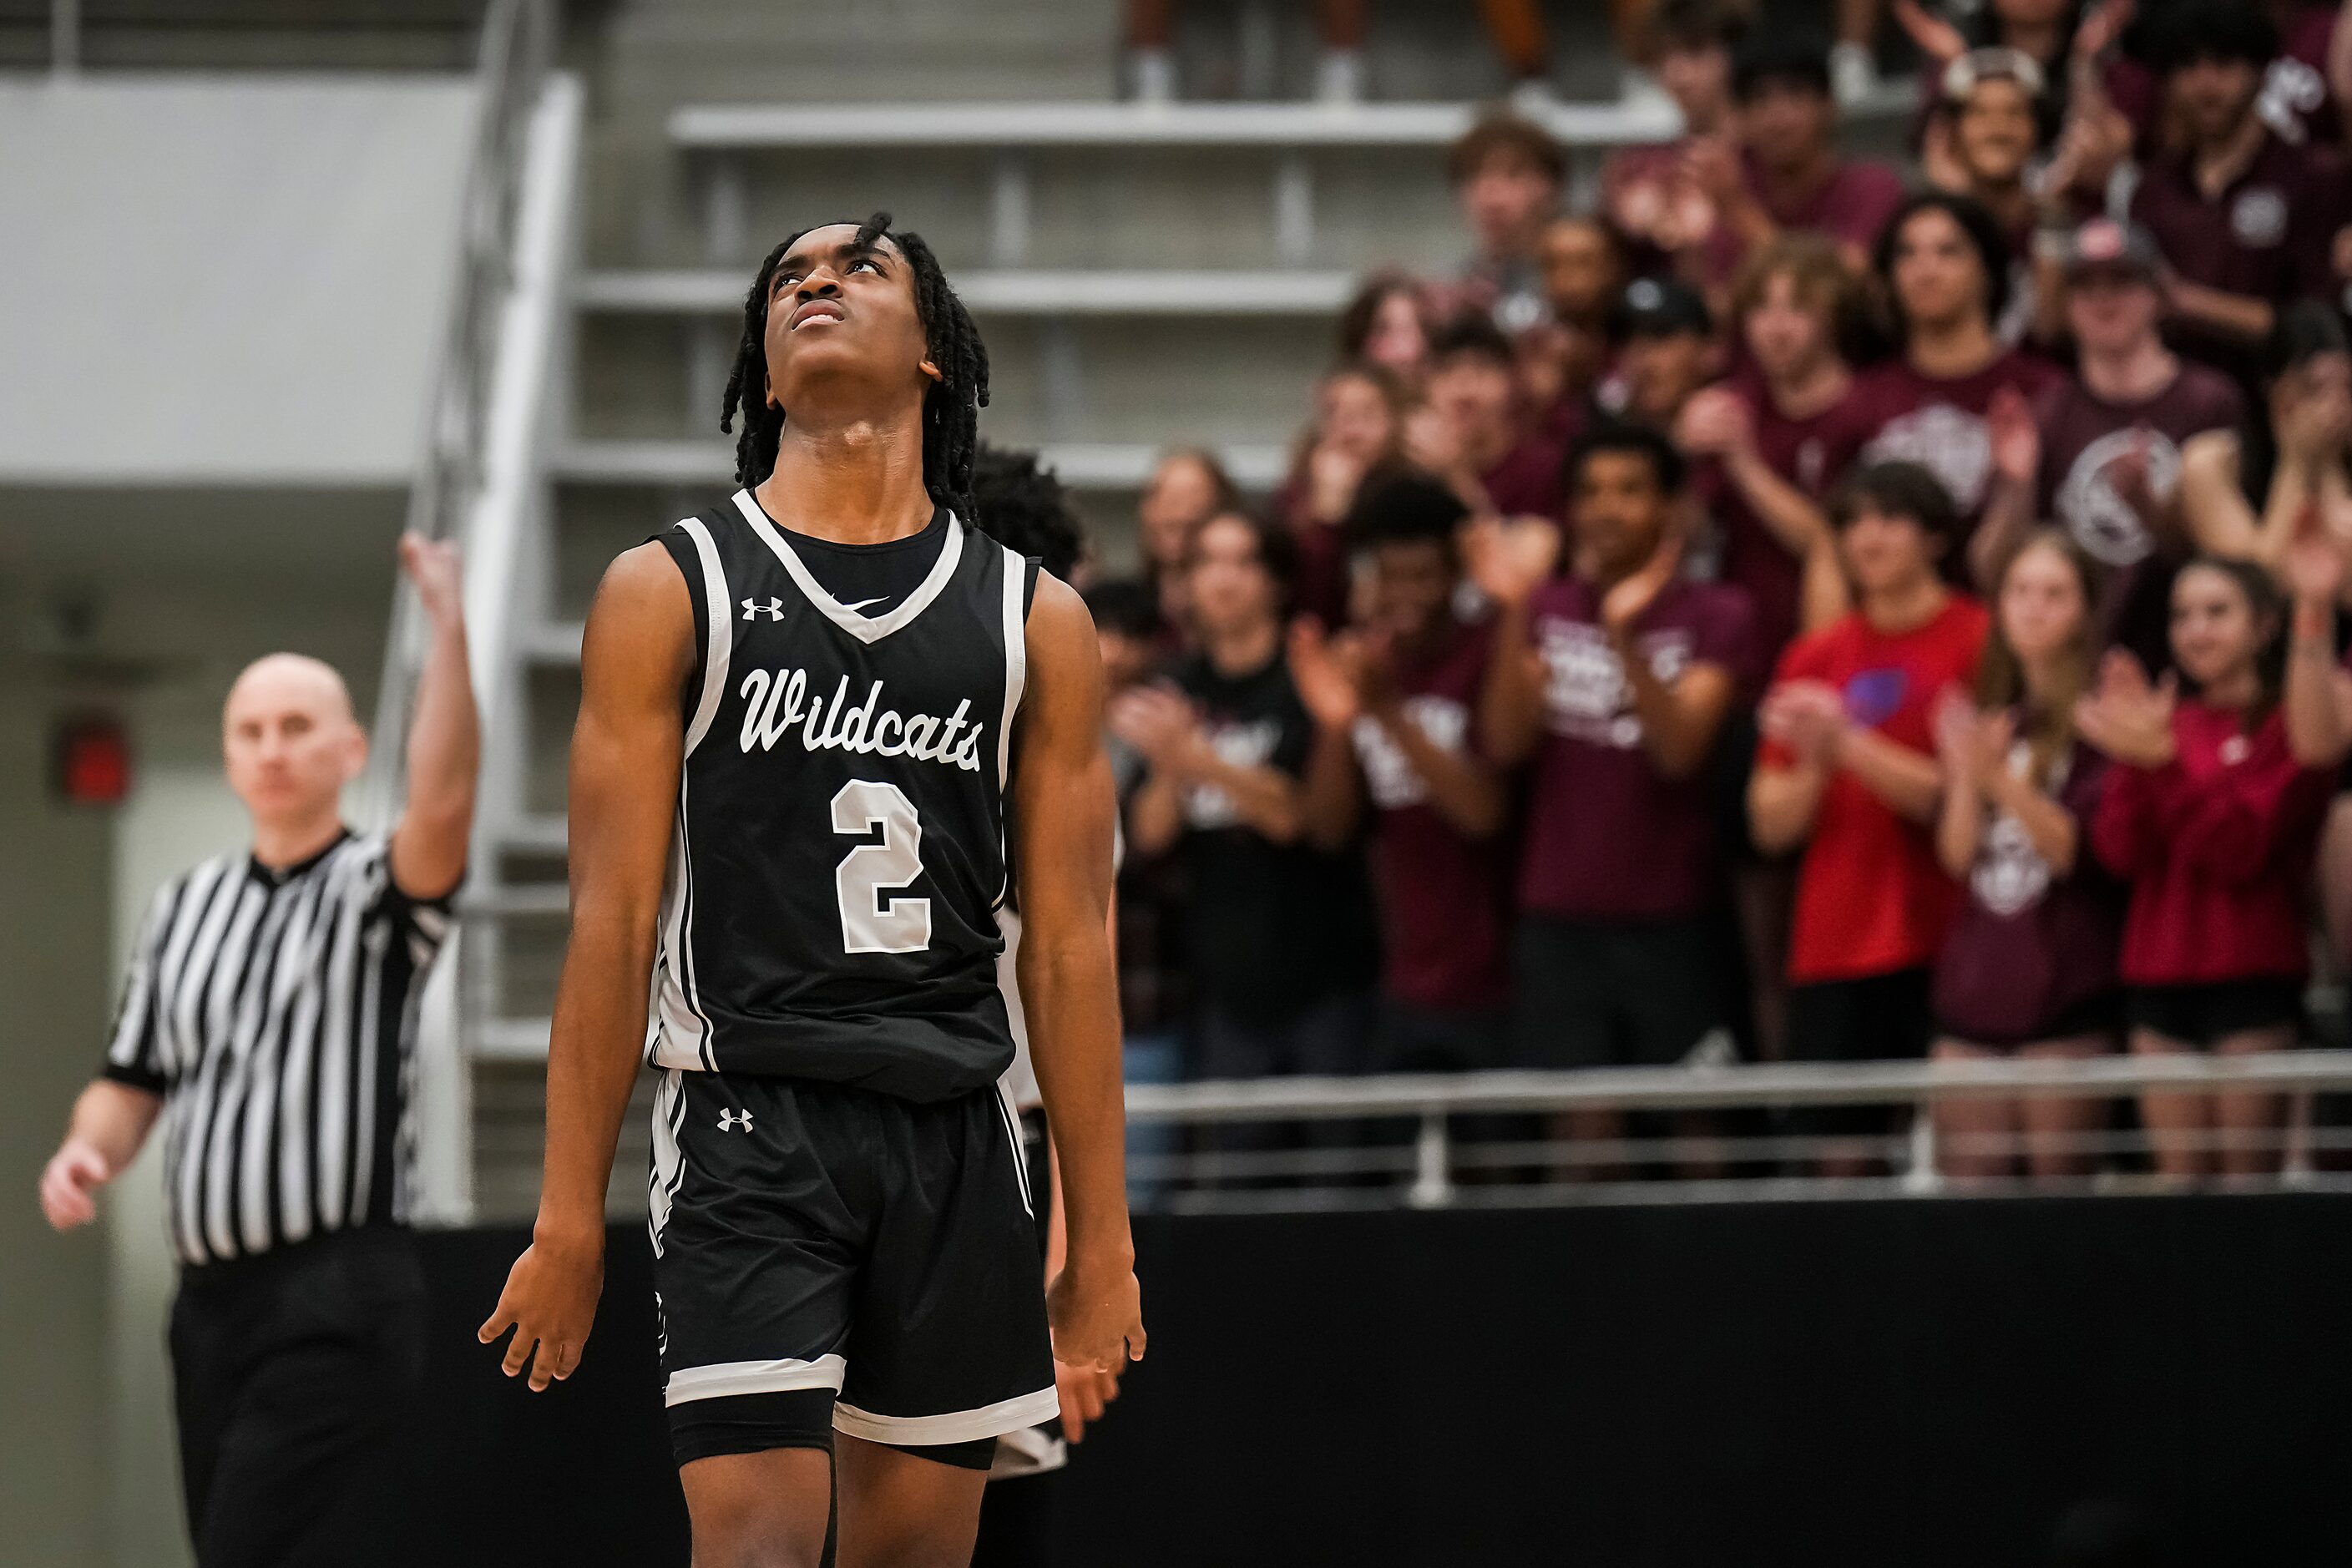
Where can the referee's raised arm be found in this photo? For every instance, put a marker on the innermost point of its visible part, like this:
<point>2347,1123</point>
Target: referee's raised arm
<point>627,749</point>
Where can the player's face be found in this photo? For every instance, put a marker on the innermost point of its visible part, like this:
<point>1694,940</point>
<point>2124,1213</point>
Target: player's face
<point>1412,585</point>
<point>2042,606</point>
<point>2214,635</point>
<point>2110,310</point>
<point>1938,277</point>
<point>1995,133</point>
<point>1786,337</point>
<point>1579,269</point>
<point>1231,589</point>
<point>1620,513</point>
<point>290,741</point>
<point>837,308</point>
<point>1884,552</point>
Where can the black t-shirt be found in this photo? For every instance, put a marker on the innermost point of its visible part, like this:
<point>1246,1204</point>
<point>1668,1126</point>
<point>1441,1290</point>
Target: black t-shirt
<point>1273,928</point>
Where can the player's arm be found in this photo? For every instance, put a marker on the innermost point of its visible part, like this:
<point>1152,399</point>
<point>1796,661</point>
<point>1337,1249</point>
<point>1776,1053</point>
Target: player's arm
<point>1062,813</point>
<point>445,740</point>
<point>111,1122</point>
<point>626,751</point>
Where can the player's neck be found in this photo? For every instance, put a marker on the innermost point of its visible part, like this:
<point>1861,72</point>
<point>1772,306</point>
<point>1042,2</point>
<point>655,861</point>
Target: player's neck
<point>280,842</point>
<point>1946,351</point>
<point>1240,650</point>
<point>858,482</point>
<point>2133,373</point>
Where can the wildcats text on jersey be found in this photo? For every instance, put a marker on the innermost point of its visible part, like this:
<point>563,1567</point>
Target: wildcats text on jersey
<point>775,703</point>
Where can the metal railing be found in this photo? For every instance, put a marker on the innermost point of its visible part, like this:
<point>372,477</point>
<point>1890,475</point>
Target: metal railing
<point>517,48</point>
<point>1381,1141</point>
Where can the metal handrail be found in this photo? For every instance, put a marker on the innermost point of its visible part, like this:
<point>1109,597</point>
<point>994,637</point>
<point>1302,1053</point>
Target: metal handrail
<point>517,48</point>
<point>1716,1088</point>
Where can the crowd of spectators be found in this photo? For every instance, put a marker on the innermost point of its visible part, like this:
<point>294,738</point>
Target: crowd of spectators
<point>1798,609</point>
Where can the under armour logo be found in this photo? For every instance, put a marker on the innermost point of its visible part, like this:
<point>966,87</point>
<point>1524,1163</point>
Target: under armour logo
<point>773,609</point>
<point>734,1121</point>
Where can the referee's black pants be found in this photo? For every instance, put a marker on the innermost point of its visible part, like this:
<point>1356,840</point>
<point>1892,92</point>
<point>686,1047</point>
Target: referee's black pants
<point>296,1373</point>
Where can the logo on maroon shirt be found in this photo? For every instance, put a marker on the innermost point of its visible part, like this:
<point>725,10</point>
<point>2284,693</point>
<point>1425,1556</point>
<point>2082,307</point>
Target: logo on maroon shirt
<point>1586,696</point>
<point>2258,217</point>
<point>1950,443</point>
<point>1388,772</point>
<point>2098,517</point>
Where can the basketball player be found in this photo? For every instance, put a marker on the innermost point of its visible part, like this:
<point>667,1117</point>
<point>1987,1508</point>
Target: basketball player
<point>823,729</point>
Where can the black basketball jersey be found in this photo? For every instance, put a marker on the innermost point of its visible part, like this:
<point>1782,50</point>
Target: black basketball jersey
<point>839,856</point>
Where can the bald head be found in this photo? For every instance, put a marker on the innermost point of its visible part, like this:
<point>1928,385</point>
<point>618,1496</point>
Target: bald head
<point>289,738</point>
<point>281,677</point>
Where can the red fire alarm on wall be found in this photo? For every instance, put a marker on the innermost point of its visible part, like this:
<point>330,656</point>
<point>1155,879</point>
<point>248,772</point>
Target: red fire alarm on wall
<point>90,759</point>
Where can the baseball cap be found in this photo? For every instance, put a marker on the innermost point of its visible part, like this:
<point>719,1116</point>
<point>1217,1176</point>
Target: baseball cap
<point>1659,308</point>
<point>2102,244</point>
<point>1966,72</point>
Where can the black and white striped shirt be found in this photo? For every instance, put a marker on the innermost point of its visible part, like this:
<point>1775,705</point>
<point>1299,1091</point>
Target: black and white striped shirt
<point>275,1011</point>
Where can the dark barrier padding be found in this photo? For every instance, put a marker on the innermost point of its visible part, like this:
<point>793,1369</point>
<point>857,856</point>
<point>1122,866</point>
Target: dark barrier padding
<point>1890,1383</point>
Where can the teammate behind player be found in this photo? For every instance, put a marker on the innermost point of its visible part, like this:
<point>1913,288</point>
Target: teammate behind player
<point>815,725</point>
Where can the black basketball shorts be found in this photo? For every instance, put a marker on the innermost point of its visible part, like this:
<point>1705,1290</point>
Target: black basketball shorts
<point>818,1247</point>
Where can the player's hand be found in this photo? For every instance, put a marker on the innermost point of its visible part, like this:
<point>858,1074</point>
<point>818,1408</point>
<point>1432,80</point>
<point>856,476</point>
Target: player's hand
<point>550,1302</point>
<point>432,566</point>
<point>1084,1392</point>
<point>1096,1318</point>
<point>69,1185</point>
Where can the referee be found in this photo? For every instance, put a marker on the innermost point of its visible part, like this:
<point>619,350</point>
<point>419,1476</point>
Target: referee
<point>268,1020</point>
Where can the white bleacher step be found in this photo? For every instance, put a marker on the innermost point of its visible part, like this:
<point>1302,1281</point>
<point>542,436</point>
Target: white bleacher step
<point>1082,466</point>
<point>752,127</point>
<point>1020,292</point>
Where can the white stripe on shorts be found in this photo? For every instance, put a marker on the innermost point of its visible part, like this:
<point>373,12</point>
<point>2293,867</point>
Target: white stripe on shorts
<point>956,1427</point>
<point>779,1377</point>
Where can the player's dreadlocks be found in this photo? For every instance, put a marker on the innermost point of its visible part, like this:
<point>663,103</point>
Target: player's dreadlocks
<point>951,405</point>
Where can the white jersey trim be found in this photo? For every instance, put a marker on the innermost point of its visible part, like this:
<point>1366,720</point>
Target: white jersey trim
<point>866,629</point>
<point>780,1376</point>
<point>719,644</point>
<point>956,1427</point>
<point>1016,665</point>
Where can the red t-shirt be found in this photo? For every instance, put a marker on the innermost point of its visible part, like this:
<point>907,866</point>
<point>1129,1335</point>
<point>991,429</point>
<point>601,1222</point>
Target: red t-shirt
<point>1607,839</point>
<point>1871,896</point>
<point>1443,897</point>
<point>2216,846</point>
<point>1811,454</point>
<point>1939,422</point>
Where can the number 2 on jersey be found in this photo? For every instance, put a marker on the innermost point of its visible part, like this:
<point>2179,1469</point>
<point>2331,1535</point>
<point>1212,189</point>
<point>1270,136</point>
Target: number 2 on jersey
<point>869,922</point>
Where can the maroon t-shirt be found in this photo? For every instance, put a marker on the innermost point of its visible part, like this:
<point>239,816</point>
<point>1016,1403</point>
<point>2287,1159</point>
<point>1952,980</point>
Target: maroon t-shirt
<point>2083,436</point>
<point>2294,95</point>
<point>1443,896</point>
<point>2028,945</point>
<point>1528,482</point>
<point>1848,209</point>
<point>2267,234</point>
<point>1939,422</point>
<point>1607,839</point>
<point>1811,454</point>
